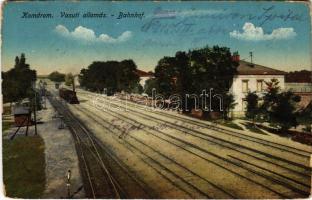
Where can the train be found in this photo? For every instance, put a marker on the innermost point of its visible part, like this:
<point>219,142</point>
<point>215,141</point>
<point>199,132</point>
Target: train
<point>68,95</point>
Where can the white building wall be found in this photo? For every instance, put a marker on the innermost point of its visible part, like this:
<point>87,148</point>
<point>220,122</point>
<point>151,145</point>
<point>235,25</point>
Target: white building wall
<point>239,95</point>
<point>143,79</point>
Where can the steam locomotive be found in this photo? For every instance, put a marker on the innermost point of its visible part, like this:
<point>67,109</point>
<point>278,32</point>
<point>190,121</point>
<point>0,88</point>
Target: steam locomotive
<point>68,95</point>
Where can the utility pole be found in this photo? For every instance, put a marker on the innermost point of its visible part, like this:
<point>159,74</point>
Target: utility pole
<point>45,99</point>
<point>45,96</point>
<point>68,183</point>
<point>250,54</point>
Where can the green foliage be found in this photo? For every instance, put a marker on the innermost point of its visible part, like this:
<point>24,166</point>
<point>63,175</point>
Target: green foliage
<point>304,116</point>
<point>166,75</point>
<point>56,77</point>
<point>17,81</point>
<point>195,71</point>
<point>228,104</point>
<point>271,96</point>
<point>150,84</point>
<point>6,125</point>
<point>113,75</point>
<point>137,89</point>
<point>24,167</point>
<point>213,68</point>
<point>252,105</point>
<point>283,112</point>
<point>69,79</point>
<point>279,108</point>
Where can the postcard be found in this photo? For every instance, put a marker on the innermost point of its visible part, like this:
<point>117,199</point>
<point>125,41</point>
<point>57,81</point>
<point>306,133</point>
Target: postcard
<point>156,99</point>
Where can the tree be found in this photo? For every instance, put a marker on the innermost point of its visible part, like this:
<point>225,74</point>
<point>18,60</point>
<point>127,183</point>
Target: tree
<point>184,80</point>
<point>150,84</point>
<point>56,77</point>
<point>279,108</point>
<point>272,91</point>
<point>195,71</point>
<point>129,80</point>
<point>166,75</point>
<point>304,116</point>
<point>228,104</point>
<point>17,81</point>
<point>69,79</point>
<point>213,68</point>
<point>252,106</point>
<point>113,75</point>
<point>138,89</point>
<point>283,112</point>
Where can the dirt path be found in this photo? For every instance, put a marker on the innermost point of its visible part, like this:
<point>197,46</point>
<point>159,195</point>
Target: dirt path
<point>60,156</point>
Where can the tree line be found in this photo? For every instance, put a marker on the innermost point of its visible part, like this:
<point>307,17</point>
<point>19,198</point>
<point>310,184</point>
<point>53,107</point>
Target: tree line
<point>114,76</point>
<point>17,82</point>
<point>60,77</point>
<point>185,73</point>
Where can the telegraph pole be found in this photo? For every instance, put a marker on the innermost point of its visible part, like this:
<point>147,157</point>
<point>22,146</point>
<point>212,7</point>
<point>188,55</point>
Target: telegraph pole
<point>45,96</point>
<point>68,183</point>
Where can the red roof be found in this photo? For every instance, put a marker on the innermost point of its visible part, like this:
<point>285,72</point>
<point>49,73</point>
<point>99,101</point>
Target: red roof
<point>141,73</point>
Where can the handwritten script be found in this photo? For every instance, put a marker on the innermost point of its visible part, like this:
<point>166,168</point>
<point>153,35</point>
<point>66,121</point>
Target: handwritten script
<point>172,22</point>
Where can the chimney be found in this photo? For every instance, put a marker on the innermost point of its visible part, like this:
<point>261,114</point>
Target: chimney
<point>236,57</point>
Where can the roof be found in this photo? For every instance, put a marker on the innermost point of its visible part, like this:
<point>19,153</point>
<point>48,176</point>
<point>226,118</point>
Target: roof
<point>141,73</point>
<point>246,68</point>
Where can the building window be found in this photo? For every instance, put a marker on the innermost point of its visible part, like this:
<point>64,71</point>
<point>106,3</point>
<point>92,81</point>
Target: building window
<point>245,86</point>
<point>244,104</point>
<point>259,85</point>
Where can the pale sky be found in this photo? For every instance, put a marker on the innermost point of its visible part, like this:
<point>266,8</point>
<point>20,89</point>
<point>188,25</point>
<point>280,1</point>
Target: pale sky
<point>278,33</point>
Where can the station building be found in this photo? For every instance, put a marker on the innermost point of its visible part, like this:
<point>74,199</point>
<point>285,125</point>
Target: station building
<point>251,78</point>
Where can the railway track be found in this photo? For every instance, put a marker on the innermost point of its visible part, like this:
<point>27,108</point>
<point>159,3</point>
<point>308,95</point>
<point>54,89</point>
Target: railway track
<point>203,135</point>
<point>104,176</point>
<point>160,167</point>
<point>239,164</point>
<point>301,169</point>
<point>209,125</point>
<point>239,135</point>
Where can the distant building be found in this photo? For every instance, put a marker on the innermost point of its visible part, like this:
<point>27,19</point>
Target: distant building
<point>144,76</point>
<point>300,82</point>
<point>251,78</point>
